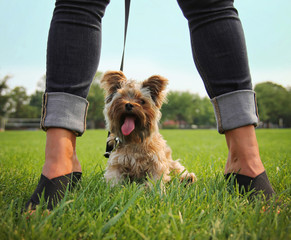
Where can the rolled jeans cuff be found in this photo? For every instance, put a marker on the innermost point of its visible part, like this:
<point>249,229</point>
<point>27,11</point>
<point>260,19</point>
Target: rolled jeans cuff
<point>64,110</point>
<point>235,109</point>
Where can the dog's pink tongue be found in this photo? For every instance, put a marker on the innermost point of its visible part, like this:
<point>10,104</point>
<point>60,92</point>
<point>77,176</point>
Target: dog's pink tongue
<point>128,126</point>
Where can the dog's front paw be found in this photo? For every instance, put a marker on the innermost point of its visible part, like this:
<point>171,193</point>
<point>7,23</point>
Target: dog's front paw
<point>189,177</point>
<point>113,176</point>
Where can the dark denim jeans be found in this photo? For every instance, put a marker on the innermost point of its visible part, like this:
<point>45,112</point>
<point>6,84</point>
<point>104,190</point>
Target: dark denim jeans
<point>218,47</point>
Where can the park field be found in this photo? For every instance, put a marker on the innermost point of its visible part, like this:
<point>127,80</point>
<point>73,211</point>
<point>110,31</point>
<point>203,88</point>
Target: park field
<point>206,209</point>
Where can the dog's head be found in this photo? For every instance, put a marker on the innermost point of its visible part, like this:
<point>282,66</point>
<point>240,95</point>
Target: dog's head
<point>132,109</point>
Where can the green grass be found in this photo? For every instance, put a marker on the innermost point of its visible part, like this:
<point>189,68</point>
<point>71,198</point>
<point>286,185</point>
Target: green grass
<point>204,210</point>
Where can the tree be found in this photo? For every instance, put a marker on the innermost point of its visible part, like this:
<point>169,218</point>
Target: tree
<point>204,113</point>
<point>19,101</point>
<point>95,117</point>
<point>273,103</point>
<point>36,102</point>
<point>4,96</point>
<point>190,108</point>
<point>180,107</point>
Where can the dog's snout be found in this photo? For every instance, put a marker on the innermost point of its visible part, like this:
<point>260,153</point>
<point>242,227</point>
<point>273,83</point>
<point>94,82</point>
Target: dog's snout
<point>128,106</point>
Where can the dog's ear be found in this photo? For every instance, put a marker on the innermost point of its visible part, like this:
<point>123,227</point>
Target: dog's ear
<point>111,81</point>
<point>156,85</point>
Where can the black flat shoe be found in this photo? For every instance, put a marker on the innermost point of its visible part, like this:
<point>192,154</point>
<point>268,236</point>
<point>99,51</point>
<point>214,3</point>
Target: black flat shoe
<point>260,183</point>
<point>54,189</point>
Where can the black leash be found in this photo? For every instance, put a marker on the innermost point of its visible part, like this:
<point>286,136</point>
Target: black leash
<point>109,149</point>
<point>127,6</point>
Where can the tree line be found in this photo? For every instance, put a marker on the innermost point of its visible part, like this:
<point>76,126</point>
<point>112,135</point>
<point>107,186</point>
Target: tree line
<point>182,110</point>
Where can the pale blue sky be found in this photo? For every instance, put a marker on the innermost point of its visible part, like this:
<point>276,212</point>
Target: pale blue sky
<point>157,32</point>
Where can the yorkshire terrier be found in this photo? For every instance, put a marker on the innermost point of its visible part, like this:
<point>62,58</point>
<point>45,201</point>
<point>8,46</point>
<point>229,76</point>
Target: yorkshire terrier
<point>132,113</point>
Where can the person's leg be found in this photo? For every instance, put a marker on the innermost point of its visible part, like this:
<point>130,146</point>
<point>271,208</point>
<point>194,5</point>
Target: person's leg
<point>73,53</point>
<point>220,54</point>
<point>60,153</point>
<point>243,156</point>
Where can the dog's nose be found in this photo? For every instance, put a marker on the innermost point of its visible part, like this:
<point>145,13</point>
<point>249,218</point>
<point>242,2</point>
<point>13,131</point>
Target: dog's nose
<point>128,106</point>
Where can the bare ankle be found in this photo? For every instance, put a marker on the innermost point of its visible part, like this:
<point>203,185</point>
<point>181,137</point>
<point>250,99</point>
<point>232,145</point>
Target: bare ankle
<point>243,154</point>
<point>60,156</point>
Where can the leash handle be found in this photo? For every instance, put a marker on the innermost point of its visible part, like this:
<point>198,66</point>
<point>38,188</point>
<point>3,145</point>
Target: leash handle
<point>109,149</point>
<point>127,7</point>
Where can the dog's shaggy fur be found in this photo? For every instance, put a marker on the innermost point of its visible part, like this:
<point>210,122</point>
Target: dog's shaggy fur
<point>132,113</point>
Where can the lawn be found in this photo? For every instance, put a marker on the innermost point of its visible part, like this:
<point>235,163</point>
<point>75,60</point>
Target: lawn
<point>204,210</point>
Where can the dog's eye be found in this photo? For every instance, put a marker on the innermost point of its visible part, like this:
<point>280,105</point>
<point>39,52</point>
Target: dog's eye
<point>142,102</point>
<point>109,98</point>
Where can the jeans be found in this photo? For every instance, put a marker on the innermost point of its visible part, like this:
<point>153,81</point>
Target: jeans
<point>218,48</point>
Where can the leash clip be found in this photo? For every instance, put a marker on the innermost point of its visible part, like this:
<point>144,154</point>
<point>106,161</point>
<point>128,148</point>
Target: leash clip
<point>115,146</point>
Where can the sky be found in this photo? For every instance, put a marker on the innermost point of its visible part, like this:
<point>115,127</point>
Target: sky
<point>158,41</point>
